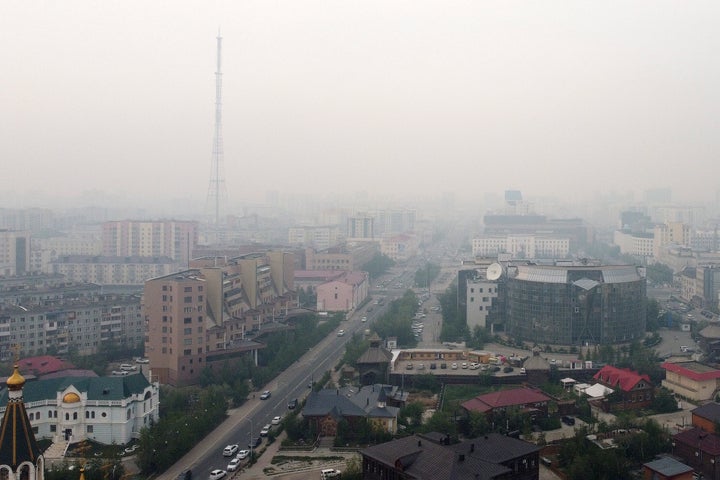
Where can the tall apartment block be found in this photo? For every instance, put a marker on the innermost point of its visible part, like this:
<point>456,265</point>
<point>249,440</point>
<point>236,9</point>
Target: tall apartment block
<point>14,252</point>
<point>212,313</point>
<point>171,238</point>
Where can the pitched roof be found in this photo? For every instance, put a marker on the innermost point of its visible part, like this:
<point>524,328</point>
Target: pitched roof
<point>624,378</point>
<point>368,401</point>
<point>44,364</point>
<point>505,398</point>
<point>375,355</point>
<point>709,411</point>
<point>699,439</point>
<point>17,439</point>
<point>419,458</point>
<point>668,466</point>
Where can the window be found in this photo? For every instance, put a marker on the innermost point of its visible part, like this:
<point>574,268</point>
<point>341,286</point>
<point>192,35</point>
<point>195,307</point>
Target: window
<point>74,415</point>
<point>187,352</point>
<point>188,331</point>
<point>89,429</point>
<point>53,428</point>
<point>187,320</point>
<point>187,299</point>
<point>188,289</point>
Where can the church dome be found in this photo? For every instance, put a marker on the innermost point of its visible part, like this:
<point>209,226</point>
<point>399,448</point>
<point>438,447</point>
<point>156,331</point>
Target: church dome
<point>71,397</point>
<point>15,381</point>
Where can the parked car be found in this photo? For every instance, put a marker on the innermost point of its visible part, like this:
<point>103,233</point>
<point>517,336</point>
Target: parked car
<point>127,367</point>
<point>265,395</point>
<point>567,420</point>
<point>230,450</point>
<point>443,366</point>
<point>341,332</point>
<point>242,454</point>
<point>363,319</point>
<point>421,366</point>
<point>454,366</point>
<point>217,474</point>
<point>234,464</point>
<point>254,442</point>
<point>292,404</point>
<point>142,360</point>
<point>120,373</point>
<point>409,366</point>
<point>265,430</point>
<point>276,420</point>
<point>433,366</point>
<point>508,369</point>
<point>464,365</point>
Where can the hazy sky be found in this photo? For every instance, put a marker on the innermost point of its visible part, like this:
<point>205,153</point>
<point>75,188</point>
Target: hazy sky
<point>341,96</point>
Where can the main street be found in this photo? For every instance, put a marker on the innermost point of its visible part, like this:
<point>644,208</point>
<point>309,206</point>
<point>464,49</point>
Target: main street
<point>292,383</point>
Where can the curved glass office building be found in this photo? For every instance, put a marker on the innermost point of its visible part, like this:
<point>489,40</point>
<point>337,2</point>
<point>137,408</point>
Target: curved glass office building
<point>576,305</point>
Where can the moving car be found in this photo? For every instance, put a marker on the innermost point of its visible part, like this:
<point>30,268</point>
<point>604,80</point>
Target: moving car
<point>230,450</point>
<point>265,395</point>
<point>292,404</point>
<point>142,360</point>
<point>276,420</point>
<point>217,474</point>
<point>341,332</point>
<point>242,454</point>
<point>265,430</point>
<point>363,319</point>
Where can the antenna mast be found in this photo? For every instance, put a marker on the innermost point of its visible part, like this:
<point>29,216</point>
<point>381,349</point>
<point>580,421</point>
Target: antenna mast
<point>217,190</point>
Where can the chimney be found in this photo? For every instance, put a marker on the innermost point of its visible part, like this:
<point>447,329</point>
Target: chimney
<point>472,447</point>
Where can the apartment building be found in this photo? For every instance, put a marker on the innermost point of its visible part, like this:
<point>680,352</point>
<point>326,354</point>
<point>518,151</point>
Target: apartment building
<point>113,270</point>
<point>343,294</point>
<point>44,251</point>
<point>14,252</point>
<point>400,247</point>
<point>209,314</point>
<point>86,324</point>
<point>319,237</point>
<point>171,238</point>
<point>349,256</point>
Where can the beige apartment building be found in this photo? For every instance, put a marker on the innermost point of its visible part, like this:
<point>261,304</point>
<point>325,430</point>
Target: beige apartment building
<point>113,270</point>
<point>171,238</point>
<point>351,256</point>
<point>211,313</point>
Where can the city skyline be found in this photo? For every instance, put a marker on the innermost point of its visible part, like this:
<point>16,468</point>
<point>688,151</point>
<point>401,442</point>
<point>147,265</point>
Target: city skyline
<point>392,99</point>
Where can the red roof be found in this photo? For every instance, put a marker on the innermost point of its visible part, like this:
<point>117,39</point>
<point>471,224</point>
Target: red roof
<point>505,398</point>
<point>44,364</point>
<point>691,374</point>
<point>699,439</point>
<point>615,377</point>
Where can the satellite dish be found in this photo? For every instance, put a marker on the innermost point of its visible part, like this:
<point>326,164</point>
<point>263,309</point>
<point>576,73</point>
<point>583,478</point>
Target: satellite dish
<point>494,271</point>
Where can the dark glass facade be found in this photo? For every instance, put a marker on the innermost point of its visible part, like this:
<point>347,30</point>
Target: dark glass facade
<point>576,305</point>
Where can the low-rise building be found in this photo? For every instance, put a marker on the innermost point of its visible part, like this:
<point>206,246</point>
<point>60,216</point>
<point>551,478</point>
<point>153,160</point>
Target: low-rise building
<point>667,468</point>
<point>344,293</point>
<point>706,417</point>
<point>632,390</point>
<point>695,381</point>
<point>699,449</point>
<point>378,404</point>
<point>108,410</point>
<point>419,457</point>
<point>523,399</point>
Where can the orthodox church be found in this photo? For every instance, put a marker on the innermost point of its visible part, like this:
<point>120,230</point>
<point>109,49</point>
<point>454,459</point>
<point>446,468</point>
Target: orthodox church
<point>20,457</point>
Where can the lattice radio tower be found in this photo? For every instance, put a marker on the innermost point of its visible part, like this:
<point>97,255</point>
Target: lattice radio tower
<point>216,189</point>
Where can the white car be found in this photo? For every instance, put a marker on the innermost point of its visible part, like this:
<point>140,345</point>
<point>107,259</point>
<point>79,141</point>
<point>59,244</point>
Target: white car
<point>230,450</point>
<point>142,360</point>
<point>242,454</point>
<point>217,474</point>
<point>234,464</point>
<point>363,319</point>
<point>464,365</point>
<point>454,366</point>
<point>120,373</point>
<point>341,332</point>
<point>265,430</point>
<point>265,395</point>
<point>276,420</point>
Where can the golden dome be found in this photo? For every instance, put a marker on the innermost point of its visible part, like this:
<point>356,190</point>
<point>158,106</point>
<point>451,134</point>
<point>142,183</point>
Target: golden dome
<point>71,397</point>
<point>15,381</point>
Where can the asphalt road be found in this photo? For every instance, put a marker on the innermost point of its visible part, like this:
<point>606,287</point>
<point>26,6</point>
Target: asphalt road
<point>292,383</point>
